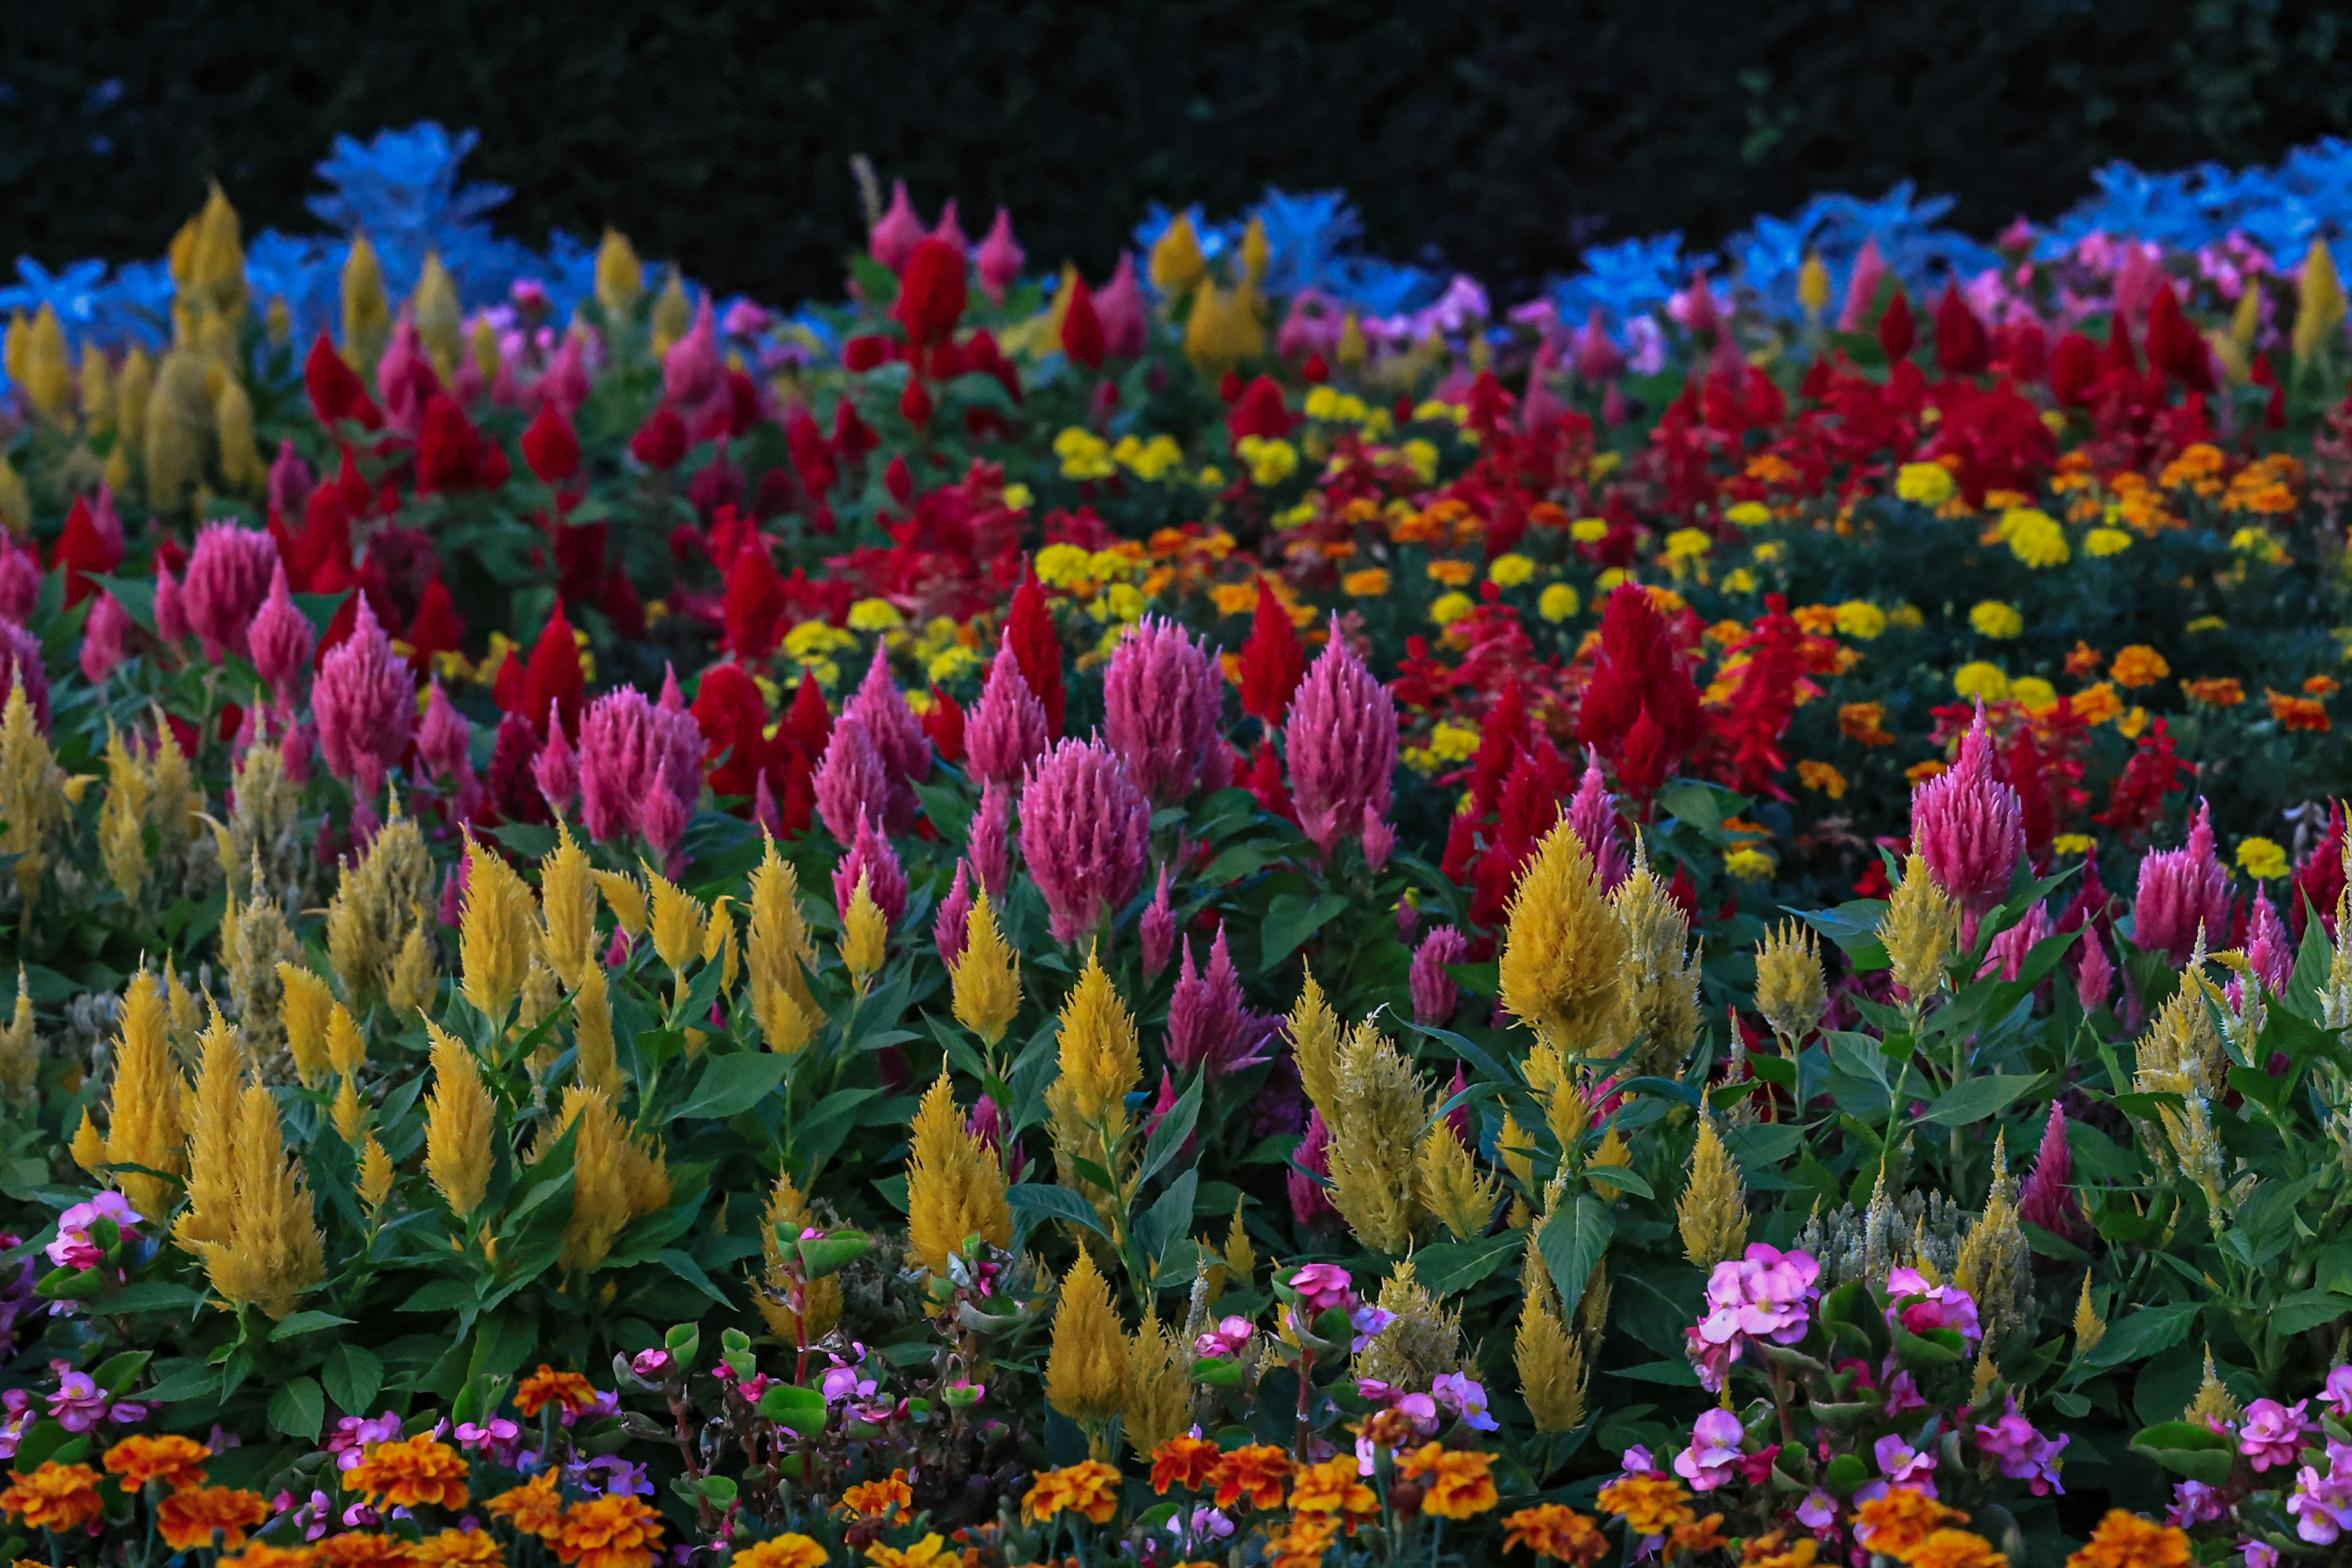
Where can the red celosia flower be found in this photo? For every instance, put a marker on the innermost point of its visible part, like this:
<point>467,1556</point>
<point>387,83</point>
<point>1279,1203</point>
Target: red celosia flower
<point>915,405</point>
<point>1897,331</point>
<point>944,724</point>
<point>660,442</point>
<point>931,292</point>
<point>435,628</point>
<point>451,454</point>
<point>754,607</point>
<point>1082,330</point>
<point>812,458</point>
<point>550,445</point>
<point>1273,661</point>
<point>734,718</point>
<point>1961,348</point>
<point>336,391</point>
<point>83,548</point>
<point>1642,709</point>
<point>852,437</point>
<point>2319,880</point>
<point>1038,648</point>
<point>2074,368</point>
<point>807,722</point>
<point>2173,345</point>
<point>554,674</point>
<point>1260,411</point>
<point>2154,772</point>
<point>899,480</point>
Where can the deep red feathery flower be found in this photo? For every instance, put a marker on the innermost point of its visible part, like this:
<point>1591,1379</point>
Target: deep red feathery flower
<point>931,292</point>
<point>1260,411</point>
<point>1897,331</point>
<point>808,721</point>
<point>553,675</point>
<point>734,718</point>
<point>1273,661</point>
<point>1641,709</point>
<point>1038,647</point>
<point>437,628</point>
<point>1961,346</point>
<point>1082,329</point>
<point>550,446</point>
<point>660,442</point>
<point>754,606</point>
<point>335,389</point>
<point>81,549</point>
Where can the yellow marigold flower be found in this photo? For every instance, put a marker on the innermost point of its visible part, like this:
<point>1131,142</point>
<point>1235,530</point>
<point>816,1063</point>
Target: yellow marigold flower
<point>786,1550</point>
<point>193,1517</point>
<point>1650,1504</point>
<point>1422,455</point>
<point>925,1553</point>
<point>1864,723</point>
<point>1924,484</point>
<point>460,1549</point>
<point>1148,460</point>
<point>876,615</point>
<point>2073,844</point>
<point>1453,574</point>
<point>410,1473</point>
<point>2096,704</point>
<point>2104,541</point>
<point>2261,858</point>
<point>1688,544</point>
<point>2125,1540</point>
<point>1748,514</point>
<point>1460,1481</point>
<point>1559,602</point>
<point>1861,619</point>
<point>615,1530</point>
<point>1065,565</point>
<point>1371,583</point>
<point>875,1499</point>
<point>2033,694</point>
<point>1089,1488</point>
<point>1510,569</point>
<point>1271,460</point>
<point>1822,777</point>
<point>1955,1549</point>
<point>1748,864</point>
<point>2034,537</point>
<point>1451,608</point>
<point>1996,620</point>
<point>1978,678</point>
<point>1335,1486</point>
<point>1589,529</point>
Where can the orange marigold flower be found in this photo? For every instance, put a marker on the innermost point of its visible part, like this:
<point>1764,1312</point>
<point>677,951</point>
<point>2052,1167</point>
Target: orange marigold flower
<point>2320,686</point>
<point>1556,1531</point>
<point>261,1555</point>
<point>1777,1550</point>
<point>1864,722</point>
<point>362,1548</point>
<point>2096,704</point>
<point>1462,1483</point>
<point>56,1497</point>
<point>548,1386</point>
<point>1370,583</point>
<point>534,1507</point>
<point>1335,1486</point>
<point>2127,1540</point>
<point>1451,574</point>
<point>1649,1504</point>
<point>2084,660</point>
<point>1302,1542</point>
<point>1700,1535</point>
<point>188,1517</point>
<point>409,1473</point>
<point>872,1500</point>
<point>1822,777</point>
<point>1956,1549</point>
<point>461,1549</point>
<point>922,1554</point>
<point>1920,773</point>
<point>780,1551</point>
<point>1090,1488</point>
<point>2138,666</point>
<point>2215,691</point>
<point>175,1460</point>
<point>1819,619</point>
<point>1901,1517</point>
<point>615,1530</point>
<point>2298,712</point>
<point>1186,1462</point>
<point>1254,1475</point>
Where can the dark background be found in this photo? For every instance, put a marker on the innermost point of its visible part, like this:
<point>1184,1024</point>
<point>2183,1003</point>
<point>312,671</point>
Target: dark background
<point>1502,135</point>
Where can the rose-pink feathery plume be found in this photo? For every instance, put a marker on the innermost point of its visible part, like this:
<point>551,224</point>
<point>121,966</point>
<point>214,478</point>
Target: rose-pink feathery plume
<point>1005,731</point>
<point>952,925</point>
<point>105,637</point>
<point>445,739</point>
<point>2005,955</point>
<point>1157,929</point>
<point>1163,702</point>
<point>1208,1026</point>
<point>1341,740</point>
<point>20,663</point>
<point>1083,830</point>
<point>281,640</point>
<point>1435,992</point>
<point>626,744</point>
<point>1592,814</point>
<point>2095,972</point>
<point>894,236</point>
<point>291,482</point>
<point>1969,825</point>
<point>1311,1202</point>
<point>365,703</point>
<point>999,259</point>
<point>898,739</point>
<point>1119,307</point>
<point>228,577</point>
<point>170,606</point>
<point>988,842</point>
<point>20,582</point>
<point>885,881</point>
<point>852,780</point>
<point>2047,1200</point>
<point>556,769</point>
<point>2180,890</point>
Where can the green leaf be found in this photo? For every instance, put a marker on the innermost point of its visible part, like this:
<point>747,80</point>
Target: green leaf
<point>687,1269</point>
<point>1290,920</point>
<point>2146,1331</point>
<point>1854,926</point>
<point>1446,1267</point>
<point>190,1380</point>
<point>1169,1218</point>
<point>1170,1135</point>
<point>2306,1309</point>
<point>353,1375</point>
<point>733,1084</point>
<point>800,1409</point>
<point>1051,1202</point>
<point>819,1134</point>
<point>151,1296</point>
<point>305,1324</point>
<point>440,1296</point>
<point>1572,1242</point>
<point>2188,1449</point>
<point>1617,1179</point>
<point>298,1409</point>
<point>1675,1374</point>
<point>1970,1100</point>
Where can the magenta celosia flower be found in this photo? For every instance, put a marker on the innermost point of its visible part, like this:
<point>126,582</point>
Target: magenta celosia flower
<point>999,259</point>
<point>2179,891</point>
<point>1310,1200</point>
<point>1380,840</point>
<point>290,483</point>
<point>1083,830</point>
<point>2048,1199</point>
<point>1435,992</point>
<point>1005,731</point>
<point>1208,1026</point>
<point>20,663</point>
<point>556,769</point>
<point>952,926</point>
<point>281,640</point>
<point>1163,702</point>
<point>988,841</point>
<point>105,638</point>
<point>2005,955</point>
<point>691,371</point>
<point>445,739</point>
<point>1157,929</point>
<point>2095,973</point>
<point>365,703</point>
<point>899,739</point>
<point>852,780</point>
<point>1119,307</point>
<point>2271,1434</point>
<point>170,606</point>
<point>625,743</point>
<point>895,235</point>
<point>1969,827</point>
<point>20,582</point>
<point>404,378</point>
<point>2270,951</point>
<point>664,816</point>
<point>870,854</point>
<point>228,577</point>
<point>1592,814</point>
<point>1341,743</point>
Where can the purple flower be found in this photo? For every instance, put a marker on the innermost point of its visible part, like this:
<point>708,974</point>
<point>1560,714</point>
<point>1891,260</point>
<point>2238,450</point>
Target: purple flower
<point>2338,1390</point>
<point>2260,1554</point>
<point>1208,1027</point>
<point>2271,1434</point>
<point>2024,1453</point>
<point>1466,1398</point>
<point>1818,1513</point>
<point>354,1435</point>
<point>1322,1287</point>
<point>1435,993</point>
<point>650,1364</point>
<point>73,1249</point>
<point>1084,828</point>
<point>1920,1307</point>
<point>2322,1505</point>
<point>614,1477</point>
<point>1368,1320</point>
<point>1638,1462</point>
<point>365,703</point>
<point>1163,701</point>
<point>1905,1467</point>
<point>2195,1503</point>
<point>1764,1294</point>
<point>1713,1457</point>
<point>1342,743</point>
<point>78,1404</point>
<point>1969,827</point>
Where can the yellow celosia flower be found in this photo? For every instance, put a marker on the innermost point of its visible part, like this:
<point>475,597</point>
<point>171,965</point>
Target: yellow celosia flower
<point>620,278</point>
<point>986,979</point>
<point>955,1185</point>
<point>1562,950</point>
<point>142,1115</point>
<point>494,931</point>
<point>460,1124</point>
<point>1176,262</point>
<point>779,955</point>
<point>308,1008</point>
<point>677,920</point>
<point>864,932</point>
<point>273,1252</point>
<point>1085,1369</point>
<point>367,309</point>
<point>567,896</point>
<point>626,896</point>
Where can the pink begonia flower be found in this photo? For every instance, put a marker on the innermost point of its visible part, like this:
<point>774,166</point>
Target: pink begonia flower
<point>1713,1458</point>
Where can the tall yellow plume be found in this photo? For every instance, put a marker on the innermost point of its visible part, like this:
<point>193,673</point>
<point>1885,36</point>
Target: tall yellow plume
<point>179,428</point>
<point>1101,1061</point>
<point>865,933</point>
<point>213,1119</point>
<point>493,931</point>
<point>1814,287</point>
<point>20,1046</point>
<point>788,1213</point>
<point>440,322</point>
<point>1085,1370</point>
<point>310,1008</point>
<point>274,1252</point>
<point>626,896</point>
<point>673,314</point>
<point>1918,928</point>
<point>779,954</point>
<point>460,1122</point>
<point>1176,263</point>
<point>599,1063</point>
<point>1713,1213</point>
<point>1315,1040</point>
<point>620,279</point>
<point>241,454</point>
<point>1553,1375</point>
<point>616,1178</point>
<point>367,308</point>
<point>955,1185</point>
<point>143,1108</point>
<point>986,980</point>
<point>1462,1198</point>
<point>1376,1117</point>
<point>2319,301</point>
<point>678,919</point>
<point>1563,951</point>
<point>47,373</point>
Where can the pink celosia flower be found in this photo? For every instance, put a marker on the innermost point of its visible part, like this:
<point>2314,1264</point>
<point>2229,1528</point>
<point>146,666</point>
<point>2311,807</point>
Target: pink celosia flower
<point>1341,743</point>
<point>1310,1200</point>
<point>2005,955</point>
<point>625,743</point>
<point>1004,733</point>
<point>999,259</point>
<point>952,927</point>
<point>2270,951</point>
<point>899,739</point>
<point>1208,1027</point>
<point>1084,828</point>
<point>1119,307</point>
<point>2095,973</point>
<point>170,606</point>
<point>1163,701</point>
<point>988,842</point>
<point>281,640</point>
<point>851,781</point>
<point>1157,929</point>
<point>894,236</point>
<point>664,816</point>
<point>20,663</point>
<point>229,574</point>
<point>691,370</point>
<point>445,739</point>
<point>1861,290</point>
<point>365,703</point>
<point>1969,827</point>
<point>2047,1199</point>
<point>20,582</point>
<point>105,638</point>
<point>1435,992</point>
<point>556,769</point>
<point>2181,890</point>
<point>870,855</point>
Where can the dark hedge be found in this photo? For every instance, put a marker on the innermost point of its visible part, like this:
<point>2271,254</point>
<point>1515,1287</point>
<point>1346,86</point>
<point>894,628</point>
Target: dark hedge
<point>1502,136</point>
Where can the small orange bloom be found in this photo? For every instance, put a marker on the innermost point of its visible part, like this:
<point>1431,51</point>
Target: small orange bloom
<point>54,1498</point>
<point>2320,686</point>
<point>1451,574</point>
<point>1864,722</point>
<point>872,1500</point>
<point>1699,1534</point>
<point>780,1551</point>
<point>2084,660</point>
<point>261,1555</point>
<point>187,1519</point>
<point>361,1549</point>
<point>1920,773</point>
<point>176,1461</point>
<point>1649,1504</point>
<point>2298,712</point>
<point>1955,1549</point>
<point>1775,1551</point>
<point>1462,1483</point>
<point>1090,1488</point>
<point>1302,1542</point>
<point>2215,691</point>
<point>615,1530</point>
<point>2127,1540</point>
<point>1335,1486</point>
<point>1255,1475</point>
<point>1186,1462</point>
<point>1900,1519</point>
<point>410,1473</point>
<point>1557,1531</point>
<point>461,1549</point>
<point>548,1386</point>
<point>2139,664</point>
<point>2096,704</point>
<point>534,1507</point>
<point>1821,776</point>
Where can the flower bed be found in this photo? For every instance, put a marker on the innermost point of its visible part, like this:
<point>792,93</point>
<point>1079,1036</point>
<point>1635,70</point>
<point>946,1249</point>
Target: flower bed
<point>1176,922</point>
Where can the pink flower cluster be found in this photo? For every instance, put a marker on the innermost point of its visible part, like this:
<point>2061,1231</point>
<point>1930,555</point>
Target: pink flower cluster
<point>1766,1294</point>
